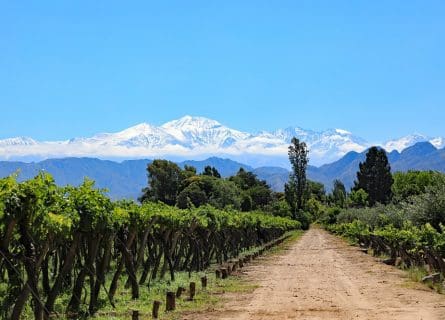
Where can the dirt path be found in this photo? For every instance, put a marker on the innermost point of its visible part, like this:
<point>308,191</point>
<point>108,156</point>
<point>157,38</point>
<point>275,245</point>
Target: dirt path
<point>321,277</point>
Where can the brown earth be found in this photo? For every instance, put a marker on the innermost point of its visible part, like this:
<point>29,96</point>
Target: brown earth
<point>322,277</point>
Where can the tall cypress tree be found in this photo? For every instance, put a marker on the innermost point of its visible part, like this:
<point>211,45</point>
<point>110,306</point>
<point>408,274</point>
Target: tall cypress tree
<point>375,177</point>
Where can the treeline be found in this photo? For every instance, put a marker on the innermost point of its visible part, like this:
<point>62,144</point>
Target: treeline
<point>185,188</point>
<point>75,243</point>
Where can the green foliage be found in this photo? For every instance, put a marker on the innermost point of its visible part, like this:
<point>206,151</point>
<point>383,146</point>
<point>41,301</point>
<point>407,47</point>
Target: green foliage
<point>211,171</point>
<point>171,185</point>
<point>225,194</point>
<point>192,195</point>
<point>279,208</point>
<point>165,178</point>
<point>315,208</point>
<point>261,196</point>
<point>259,192</point>
<point>428,207</point>
<point>339,194</point>
<point>59,239</point>
<point>316,191</point>
<point>296,188</point>
<point>305,218</point>
<point>246,202</point>
<point>413,183</point>
<point>358,198</point>
<point>410,229</point>
<point>375,217</point>
<point>375,177</point>
<point>330,216</point>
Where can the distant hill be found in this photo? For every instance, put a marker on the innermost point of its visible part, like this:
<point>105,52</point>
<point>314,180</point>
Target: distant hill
<point>123,180</point>
<point>421,156</point>
<point>126,179</point>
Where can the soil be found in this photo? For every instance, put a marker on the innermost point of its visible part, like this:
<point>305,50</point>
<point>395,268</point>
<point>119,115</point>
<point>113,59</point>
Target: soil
<point>322,277</point>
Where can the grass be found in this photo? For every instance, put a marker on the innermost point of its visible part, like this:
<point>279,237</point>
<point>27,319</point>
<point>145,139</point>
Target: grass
<point>416,274</point>
<point>204,300</point>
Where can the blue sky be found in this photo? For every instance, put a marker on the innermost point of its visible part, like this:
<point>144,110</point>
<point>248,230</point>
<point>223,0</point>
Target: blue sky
<point>75,68</point>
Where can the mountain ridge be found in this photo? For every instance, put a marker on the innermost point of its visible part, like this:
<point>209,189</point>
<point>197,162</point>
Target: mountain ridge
<point>199,137</point>
<point>127,178</point>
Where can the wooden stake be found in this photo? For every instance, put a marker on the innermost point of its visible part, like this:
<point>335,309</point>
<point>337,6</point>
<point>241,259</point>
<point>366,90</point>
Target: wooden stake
<point>192,290</point>
<point>171,301</point>
<point>179,292</point>
<point>204,282</point>
<point>156,305</point>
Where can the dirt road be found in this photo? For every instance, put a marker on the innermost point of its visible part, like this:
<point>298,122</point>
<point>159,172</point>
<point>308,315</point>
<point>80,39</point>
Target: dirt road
<point>322,277</point>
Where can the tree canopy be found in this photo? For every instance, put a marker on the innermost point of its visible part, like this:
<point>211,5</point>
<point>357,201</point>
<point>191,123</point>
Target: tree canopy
<point>374,177</point>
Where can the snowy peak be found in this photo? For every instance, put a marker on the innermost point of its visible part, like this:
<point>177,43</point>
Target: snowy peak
<point>188,123</point>
<point>18,141</point>
<point>140,129</point>
<point>343,132</point>
<point>200,131</point>
<point>196,137</point>
<point>410,140</point>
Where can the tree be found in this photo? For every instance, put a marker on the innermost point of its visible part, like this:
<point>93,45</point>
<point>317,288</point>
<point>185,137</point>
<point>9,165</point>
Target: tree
<point>297,185</point>
<point>211,171</point>
<point>224,194</point>
<point>315,190</point>
<point>245,179</point>
<point>261,196</point>
<point>258,191</point>
<point>215,173</point>
<point>165,179</point>
<point>207,171</point>
<point>246,202</point>
<point>374,177</point>
<point>192,194</point>
<point>339,193</point>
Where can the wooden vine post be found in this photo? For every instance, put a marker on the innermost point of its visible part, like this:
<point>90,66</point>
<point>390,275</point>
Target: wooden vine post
<point>179,292</point>
<point>204,282</point>
<point>155,311</point>
<point>192,290</point>
<point>170,301</point>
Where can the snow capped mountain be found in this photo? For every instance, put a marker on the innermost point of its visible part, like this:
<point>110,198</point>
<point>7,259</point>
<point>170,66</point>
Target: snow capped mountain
<point>18,141</point>
<point>197,137</point>
<point>201,132</point>
<point>438,142</point>
<point>142,135</point>
<point>407,141</point>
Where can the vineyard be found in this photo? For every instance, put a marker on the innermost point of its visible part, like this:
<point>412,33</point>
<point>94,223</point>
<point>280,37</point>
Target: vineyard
<point>409,246</point>
<point>75,243</point>
<point>408,232</point>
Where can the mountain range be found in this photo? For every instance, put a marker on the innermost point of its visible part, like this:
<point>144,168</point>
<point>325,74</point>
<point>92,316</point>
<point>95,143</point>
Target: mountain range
<point>126,179</point>
<point>199,138</point>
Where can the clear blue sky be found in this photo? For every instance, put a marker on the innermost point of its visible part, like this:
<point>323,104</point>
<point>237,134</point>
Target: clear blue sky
<point>74,68</point>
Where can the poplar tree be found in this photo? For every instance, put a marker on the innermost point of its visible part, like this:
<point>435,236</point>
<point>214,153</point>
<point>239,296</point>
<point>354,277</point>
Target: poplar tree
<point>297,185</point>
